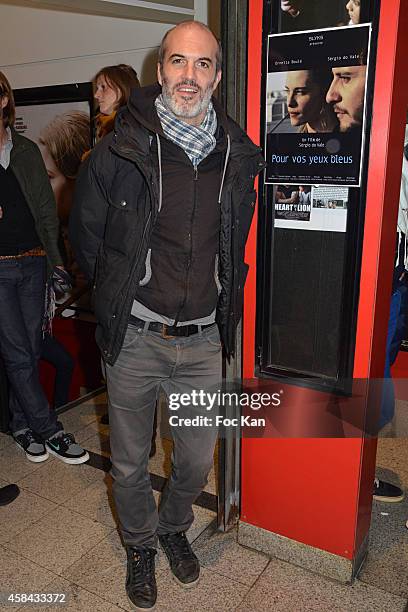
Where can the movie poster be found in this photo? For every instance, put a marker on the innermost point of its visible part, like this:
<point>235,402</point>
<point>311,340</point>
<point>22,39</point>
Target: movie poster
<point>315,106</point>
<point>32,119</point>
<point>311,208</point>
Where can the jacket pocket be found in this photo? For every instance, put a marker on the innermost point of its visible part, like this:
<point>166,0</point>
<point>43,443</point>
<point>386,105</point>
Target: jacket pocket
<point>120,225</point>
<point>132,338</point>
<point>212,336</point>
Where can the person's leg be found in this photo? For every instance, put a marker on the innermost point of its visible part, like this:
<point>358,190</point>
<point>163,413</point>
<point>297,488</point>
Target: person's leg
<point>133,384</point>
<point>199,369</point>
<point>28,405</point>
<point>133,387</point>
<point>13,339</point>
<point>400,323</point>
<point>31,296</point>
<point>388,397</point>
<point>56,354</point>
<point>35,427</point>
<point>385,491</point>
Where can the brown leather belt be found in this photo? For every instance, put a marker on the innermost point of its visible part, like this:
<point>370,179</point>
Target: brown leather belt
<point>36,252</point>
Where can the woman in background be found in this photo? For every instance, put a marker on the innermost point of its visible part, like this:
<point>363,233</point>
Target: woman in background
<point>306,100</point>
<point>112,86</point>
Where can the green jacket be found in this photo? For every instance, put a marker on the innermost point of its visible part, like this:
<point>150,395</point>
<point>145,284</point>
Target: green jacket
<point>29,169</point>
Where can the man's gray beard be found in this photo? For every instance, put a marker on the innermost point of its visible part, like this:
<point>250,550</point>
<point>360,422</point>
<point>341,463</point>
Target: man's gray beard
<point>183,110</point>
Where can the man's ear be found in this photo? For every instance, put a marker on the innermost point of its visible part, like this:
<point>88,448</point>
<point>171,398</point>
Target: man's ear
<point>217,80</point>
<point>159,76</point>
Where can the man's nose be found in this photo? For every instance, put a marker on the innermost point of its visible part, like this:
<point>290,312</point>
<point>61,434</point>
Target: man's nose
<point>332,94</point>
<point>348,5</point>
<point>292,103</point>
<point>190,71</point>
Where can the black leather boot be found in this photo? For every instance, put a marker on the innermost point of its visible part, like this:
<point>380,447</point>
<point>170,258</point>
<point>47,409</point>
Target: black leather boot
<point>141,578</point>
<point>183,562</point>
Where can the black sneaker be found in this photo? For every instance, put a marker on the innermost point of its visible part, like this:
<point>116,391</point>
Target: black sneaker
<point>141,585</point>
<point>387,492</point>
<point>63,446</point>
<point>32,446</point>
<point>183,562</point>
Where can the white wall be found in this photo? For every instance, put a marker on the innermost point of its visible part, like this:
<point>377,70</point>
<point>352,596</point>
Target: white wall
<point>50,47</point>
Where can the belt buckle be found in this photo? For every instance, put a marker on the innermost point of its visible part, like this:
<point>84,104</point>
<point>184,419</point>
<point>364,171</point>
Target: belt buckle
<point>165,334</point>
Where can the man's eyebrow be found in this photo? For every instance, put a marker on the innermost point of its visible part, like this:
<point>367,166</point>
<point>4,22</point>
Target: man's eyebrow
<point>199,59</point>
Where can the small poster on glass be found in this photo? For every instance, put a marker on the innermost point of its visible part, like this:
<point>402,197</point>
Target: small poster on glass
<point>311,208</point>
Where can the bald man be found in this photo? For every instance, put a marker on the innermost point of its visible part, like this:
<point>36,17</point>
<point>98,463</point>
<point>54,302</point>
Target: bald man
<point>163,209</point>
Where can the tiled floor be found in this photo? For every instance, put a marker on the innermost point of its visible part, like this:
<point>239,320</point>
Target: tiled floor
<point>60,536</point>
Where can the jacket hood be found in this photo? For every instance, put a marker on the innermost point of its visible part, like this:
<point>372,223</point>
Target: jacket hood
<point>141,108</point>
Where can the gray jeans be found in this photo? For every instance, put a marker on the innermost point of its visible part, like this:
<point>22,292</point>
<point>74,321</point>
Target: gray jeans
<point>146,364</point>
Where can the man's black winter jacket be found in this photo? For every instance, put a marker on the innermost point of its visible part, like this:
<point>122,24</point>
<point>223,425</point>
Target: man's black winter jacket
<point>116,207</point>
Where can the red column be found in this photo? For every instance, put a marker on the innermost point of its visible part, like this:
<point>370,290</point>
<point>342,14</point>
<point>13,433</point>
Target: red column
<point>319,491</point>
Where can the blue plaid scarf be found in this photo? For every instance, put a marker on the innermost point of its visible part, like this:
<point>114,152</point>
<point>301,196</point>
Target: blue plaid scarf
<point>196,141</point>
